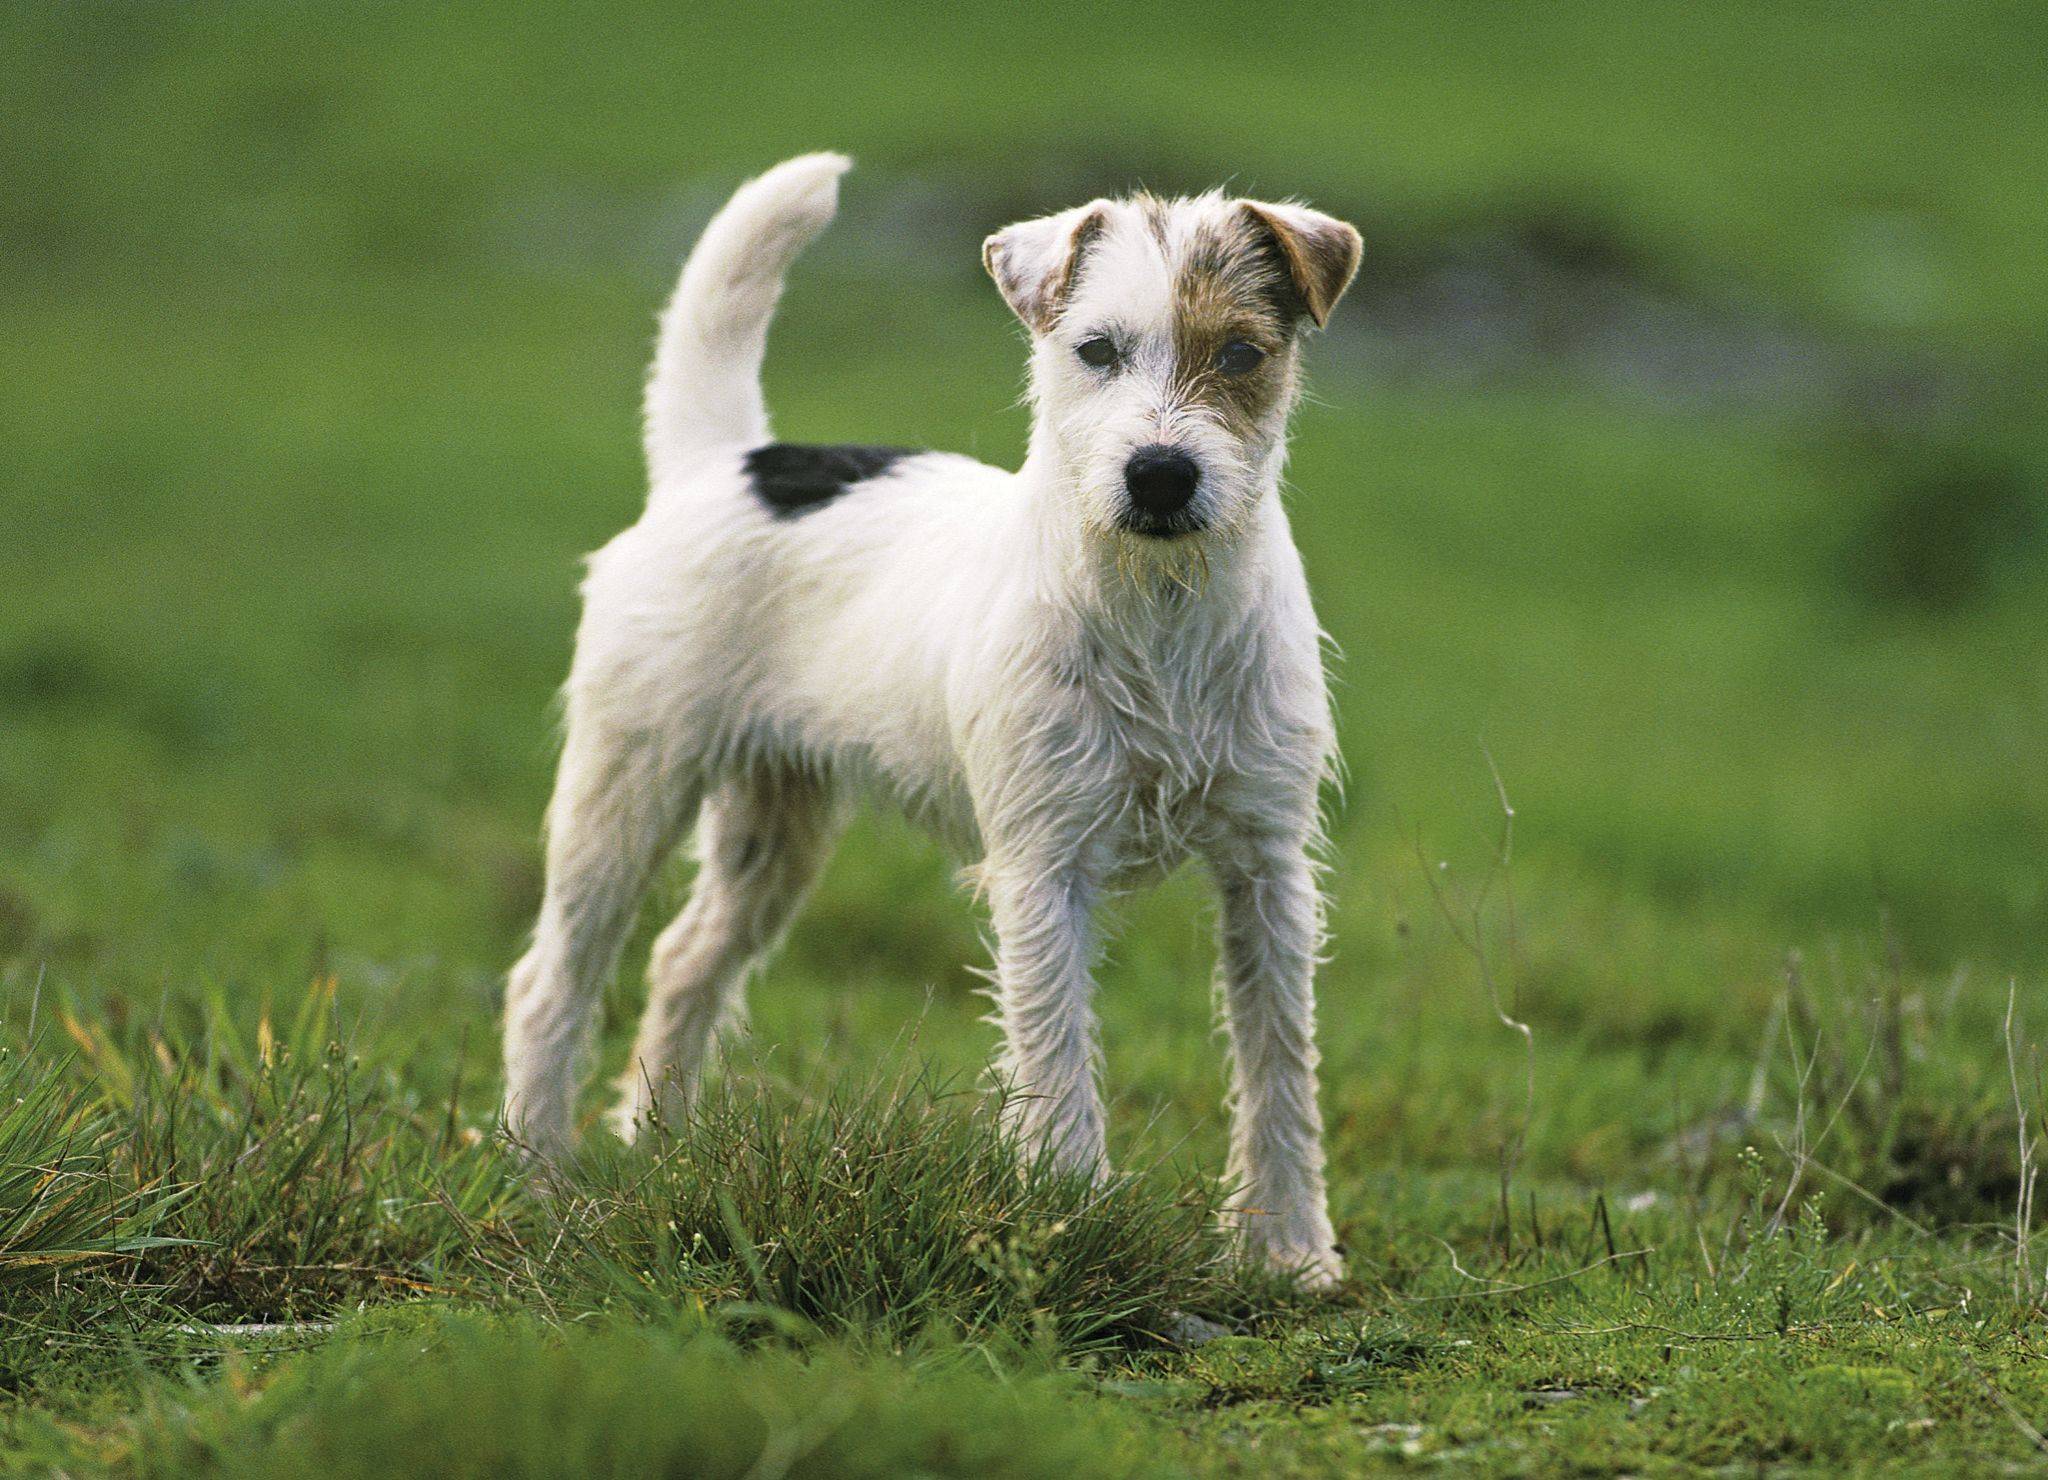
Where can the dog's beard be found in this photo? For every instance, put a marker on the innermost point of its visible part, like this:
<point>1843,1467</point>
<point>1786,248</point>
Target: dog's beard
<point>1153,566</point>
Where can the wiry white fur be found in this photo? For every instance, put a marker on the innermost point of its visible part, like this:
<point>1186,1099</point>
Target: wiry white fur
<point>1075,708</point>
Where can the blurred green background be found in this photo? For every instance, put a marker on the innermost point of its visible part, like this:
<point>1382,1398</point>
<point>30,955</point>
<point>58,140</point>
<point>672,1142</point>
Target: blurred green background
<point>1680,449</point>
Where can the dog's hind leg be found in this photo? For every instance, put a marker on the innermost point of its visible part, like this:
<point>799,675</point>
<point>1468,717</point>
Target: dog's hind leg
<point>762,839</point>
<point>620,801</point>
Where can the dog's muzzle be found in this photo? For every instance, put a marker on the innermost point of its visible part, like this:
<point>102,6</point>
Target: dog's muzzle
<point>1161,482</point>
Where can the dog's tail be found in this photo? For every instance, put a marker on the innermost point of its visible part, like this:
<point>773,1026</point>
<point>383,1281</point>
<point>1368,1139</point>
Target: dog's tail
<point>705,385</point>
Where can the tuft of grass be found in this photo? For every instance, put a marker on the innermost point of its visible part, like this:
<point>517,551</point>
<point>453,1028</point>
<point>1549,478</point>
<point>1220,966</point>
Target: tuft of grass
<point>61,1201</point>
<point>305,1179</point>
<point>893,1205</point>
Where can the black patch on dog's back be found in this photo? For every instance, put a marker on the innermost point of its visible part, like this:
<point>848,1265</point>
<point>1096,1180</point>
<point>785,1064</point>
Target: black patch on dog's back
<point>792,479</point>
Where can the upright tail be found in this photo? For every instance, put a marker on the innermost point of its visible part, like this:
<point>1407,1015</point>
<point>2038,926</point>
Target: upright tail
<point>705,385</point>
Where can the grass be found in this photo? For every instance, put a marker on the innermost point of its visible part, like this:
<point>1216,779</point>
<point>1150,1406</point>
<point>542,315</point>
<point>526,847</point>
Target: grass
<point>895,1209</point>
<point>458,1394</point>
<point>271,1178</point>
<point>862,1281</point>
<point>324,341</point>
<point>61,1205</point>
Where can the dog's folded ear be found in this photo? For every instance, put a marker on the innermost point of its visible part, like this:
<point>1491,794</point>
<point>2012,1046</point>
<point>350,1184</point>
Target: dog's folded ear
<point>1034,262</point>
<point>1321,252</point>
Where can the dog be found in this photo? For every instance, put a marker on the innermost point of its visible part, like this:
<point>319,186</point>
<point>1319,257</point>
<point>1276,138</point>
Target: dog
<point>1079,674</point>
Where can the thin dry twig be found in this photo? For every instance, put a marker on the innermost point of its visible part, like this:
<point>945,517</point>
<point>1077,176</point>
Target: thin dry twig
<point>1802,1150</point>
<point>1626,1328</point>
<point>1850,1184</point>
<point>2023,1219</point>
<point>1503,863</point>
<point>1760,1075</point>
<point>1468,928</point>
<point>1556,1279</point>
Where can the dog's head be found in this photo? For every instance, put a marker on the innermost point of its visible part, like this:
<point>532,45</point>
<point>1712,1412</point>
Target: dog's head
<point>1165,348</point>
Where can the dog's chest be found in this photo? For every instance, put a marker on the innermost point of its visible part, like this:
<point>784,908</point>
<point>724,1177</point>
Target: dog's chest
<point>1163,726</point>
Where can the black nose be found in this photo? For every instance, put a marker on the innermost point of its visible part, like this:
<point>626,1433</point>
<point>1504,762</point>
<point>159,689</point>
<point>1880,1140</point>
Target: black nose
<point>1161,480</point>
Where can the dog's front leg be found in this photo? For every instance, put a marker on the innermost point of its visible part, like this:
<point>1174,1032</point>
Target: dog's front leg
<point>1270,928</point>
<point>1044,993</point>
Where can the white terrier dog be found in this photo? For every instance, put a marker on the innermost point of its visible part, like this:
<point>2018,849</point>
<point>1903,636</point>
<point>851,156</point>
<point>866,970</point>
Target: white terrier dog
<point>1080,673</point>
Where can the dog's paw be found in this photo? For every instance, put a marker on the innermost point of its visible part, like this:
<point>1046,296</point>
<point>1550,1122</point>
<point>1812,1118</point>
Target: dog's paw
<point>537,1140</point>
<point>1318,1272</point>
<point>629,1116</point>
<point>1298,1244</point>
<point>1315,1266</point>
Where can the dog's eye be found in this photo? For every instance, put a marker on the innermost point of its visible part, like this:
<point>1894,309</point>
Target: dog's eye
<point>1239,358</point>
<point>1099,352</point>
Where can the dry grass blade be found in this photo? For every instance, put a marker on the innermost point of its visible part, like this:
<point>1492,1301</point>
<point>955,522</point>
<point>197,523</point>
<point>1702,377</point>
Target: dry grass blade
<point>61,1202</point>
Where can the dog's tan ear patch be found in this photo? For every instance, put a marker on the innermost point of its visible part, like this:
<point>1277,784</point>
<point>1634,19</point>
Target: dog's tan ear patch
<point>1321,252</point>
<point>1034,262</point>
